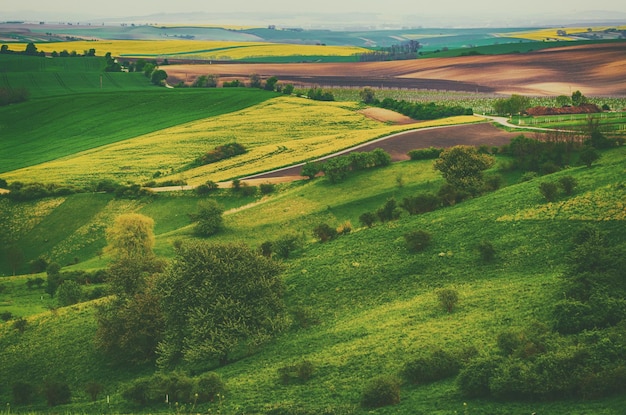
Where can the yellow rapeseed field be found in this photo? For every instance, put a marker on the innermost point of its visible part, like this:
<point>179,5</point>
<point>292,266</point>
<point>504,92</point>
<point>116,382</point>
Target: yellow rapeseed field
<point>551,33</point>
<point>277,133</point>
<point>198,48</point>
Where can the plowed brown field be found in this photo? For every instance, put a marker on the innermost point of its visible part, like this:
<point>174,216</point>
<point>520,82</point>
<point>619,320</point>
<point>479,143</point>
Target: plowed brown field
<point>595,69</point>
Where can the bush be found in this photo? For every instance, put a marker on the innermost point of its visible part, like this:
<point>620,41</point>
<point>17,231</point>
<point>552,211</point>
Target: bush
<point>528,176</point>
<point>417,241</point>
<point>345,228</point>
<point>473,380</point>
<point>368,219</point>
<point>324,232</point>
<point>549,191</point>
<point>448,298</point>
<point>588,155</point>
<point>208,386</point>
<point>568,183</point>
<point>248,191</point>
<point>286,244</point>
<point>69,293</point>
<point>23,393</point>
<point>57,392</point>
<point>304,317</point>
<point>381,391</point>
<point>6,316</point>
<point>430,153</point>
<point>435,366</point>
<point>93,389</point>
<point>137,392</point>
<point>267,188</point>
<point>209,218</point>
<point>20,324</point>
<point>299,372</point>
<point>389,211</point>
<point>493,182</point>
<point>486,251</point>
<point>422,203</point>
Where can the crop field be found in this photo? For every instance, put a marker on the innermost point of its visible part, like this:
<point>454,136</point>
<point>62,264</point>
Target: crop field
<point>551,34</point>
<point>311,129</point>
<point>208,50</point>
<point>50,128</point>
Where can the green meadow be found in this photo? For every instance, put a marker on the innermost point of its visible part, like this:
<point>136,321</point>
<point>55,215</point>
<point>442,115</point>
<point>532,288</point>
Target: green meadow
<point>359,306</point>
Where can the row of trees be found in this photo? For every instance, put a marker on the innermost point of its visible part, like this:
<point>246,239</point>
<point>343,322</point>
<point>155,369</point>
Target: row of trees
<point>30,50</point>
<point>403,51</point>
<point>338,168</point>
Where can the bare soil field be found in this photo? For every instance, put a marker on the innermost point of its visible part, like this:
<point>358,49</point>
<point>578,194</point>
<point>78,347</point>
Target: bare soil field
<point>595,69</point>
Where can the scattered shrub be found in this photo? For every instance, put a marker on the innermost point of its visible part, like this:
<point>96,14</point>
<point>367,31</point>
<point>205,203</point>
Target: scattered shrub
<point>422,203</point>
<point>286,244</point>
<point>588,155</point>
<point>486,251</point>
<point>68,293</point>
<point>381,391</point>
<point>430,153</point>
<point>23,393</point>
<point>345,228</point>
<point>247,190</point>
<point>528,176</point>
<point>417,241</point>
<point>304,317</point>
<point>208,386</point>
<point>448,298</point>
<point>267,188</point>
<point>368,219</point>
<point>6,316</point>
<point>221,152</point>
<point>549,191</point>
<point>435,366</point>
<point>324,232</point>
<point>389,211</point>
<point>473,379</point>
<point>20,324</point>
<point>299,372</point>
<point>93,389</point>
<point>137,392</point>
<point>493,182</point>
<point>57,392</point>
<point>568,183</point>
<point>209,218</point>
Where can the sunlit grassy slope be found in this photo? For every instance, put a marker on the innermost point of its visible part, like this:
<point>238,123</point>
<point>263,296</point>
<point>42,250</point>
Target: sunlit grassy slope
<point>375,302</point>
<point>277,133</point>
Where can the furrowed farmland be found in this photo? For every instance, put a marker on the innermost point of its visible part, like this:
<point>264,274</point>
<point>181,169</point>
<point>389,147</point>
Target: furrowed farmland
<point>307,232</point>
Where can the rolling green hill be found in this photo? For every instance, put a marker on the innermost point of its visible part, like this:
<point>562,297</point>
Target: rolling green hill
<point>375,303</point>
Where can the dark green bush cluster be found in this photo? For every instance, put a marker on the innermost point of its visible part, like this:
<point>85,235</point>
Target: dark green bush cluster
<point>174,387</point>
<point>318,94</point>
<point>422,203</point>
<point>13,95</point>
<point>324,232</point>
<point>221,153</point>
<point>339,168</point>
<point>381,391</point>
<point>31,191</point>
<point>417,241</point>
<point>429,153</point>
<point>56,392</point>
<point>435,365</point>
<point>55,278</point>
<point>550,190</point>
<point>296,373</point>
<point>424,111</point>
<point>283,246</point>
<point>542,156</point>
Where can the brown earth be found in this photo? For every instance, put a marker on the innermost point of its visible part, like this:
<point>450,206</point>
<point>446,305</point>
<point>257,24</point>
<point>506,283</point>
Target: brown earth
<point>596,70</point>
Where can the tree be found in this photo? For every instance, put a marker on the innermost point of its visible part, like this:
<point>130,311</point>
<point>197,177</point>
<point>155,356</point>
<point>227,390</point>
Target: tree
<point>255,80</point>
<point>448,298</point>
<point>31,49</point>
<point>578,98</point>
<point>69,293</point>
<point>158,77</point>
<point>367,95</point>
<point>563,100</point>
<point>131,237</point>
<point>310,169</point>
<point>462,167</point>
<point>208,218</point>
<point>270,83</point>
<point>588,155</point>
<point>514,105</point>
<point>217,299</point>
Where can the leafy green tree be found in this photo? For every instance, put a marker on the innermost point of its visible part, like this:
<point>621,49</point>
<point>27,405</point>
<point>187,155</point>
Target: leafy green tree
<point>568,183</point>
<point>324,232</point>
<point>549,190</point>
<point>158,77</point>
<point>208,218</point>
<point>310,169</point>
<point>563,100</point>
<point>255,80</point>
<point>368,219</point>
<point>588,155</point>
<point>31,49</point>
<point>417,241</point>
<point>218,299</point>
<point>288,89</point>
<point>131,236</point>
<point>514,105</point>
<point>270,83</point>
<point>69,293</point>
<point>578,98</point>
<point>462,167</point>
<point>448,298</point>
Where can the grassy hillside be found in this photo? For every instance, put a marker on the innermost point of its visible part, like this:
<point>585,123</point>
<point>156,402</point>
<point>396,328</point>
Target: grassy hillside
<point>375,302</point>
<point>50,128</point>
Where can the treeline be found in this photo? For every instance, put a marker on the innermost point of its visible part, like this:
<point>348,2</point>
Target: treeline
<point>420,111</point>
<point>23,191</point>
<point>339,168</point>
<point>402,51</point>
<point>30,50</point>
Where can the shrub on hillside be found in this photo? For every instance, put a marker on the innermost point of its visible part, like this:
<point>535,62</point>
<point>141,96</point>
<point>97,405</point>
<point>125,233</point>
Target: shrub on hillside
<point>486,250</point>
<point>345,228</point>
<point>286,244</point>
<point>368,219</point>
<point>324,232</point>
<point>430,153</point>
<point>208,218</point>
<point>448,298</point>
<point>568,183</point>
<point>434,366</point>
<point>304,317</point>
<point>68,293</point>
<point>417,241</point>
<point>473,379</point>
<point>94,389</point>
<point>389,211</point>
<point>296,373</point>
<point>422,203</point>
<point>208,386</point>
<point>57,392</point>
<point>549,191</point>
<point>381,391</point>
<point>267,188</point>
<point>23,393</point>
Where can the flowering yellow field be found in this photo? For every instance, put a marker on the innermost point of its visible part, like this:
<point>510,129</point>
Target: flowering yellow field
<point>551,33</point>
<point>198,48</point>
<point>277,133</point>
<point>605,203</point>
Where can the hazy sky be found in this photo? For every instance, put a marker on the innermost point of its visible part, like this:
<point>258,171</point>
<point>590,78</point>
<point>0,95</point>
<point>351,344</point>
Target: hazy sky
<point>468,9</point>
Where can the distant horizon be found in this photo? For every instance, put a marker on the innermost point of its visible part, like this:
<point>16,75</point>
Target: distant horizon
<point>322,14</point>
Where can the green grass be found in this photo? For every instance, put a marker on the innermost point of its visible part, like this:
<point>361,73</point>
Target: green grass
<point>375,301</point>
<point>609,122</point>
<point>85,121</point>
